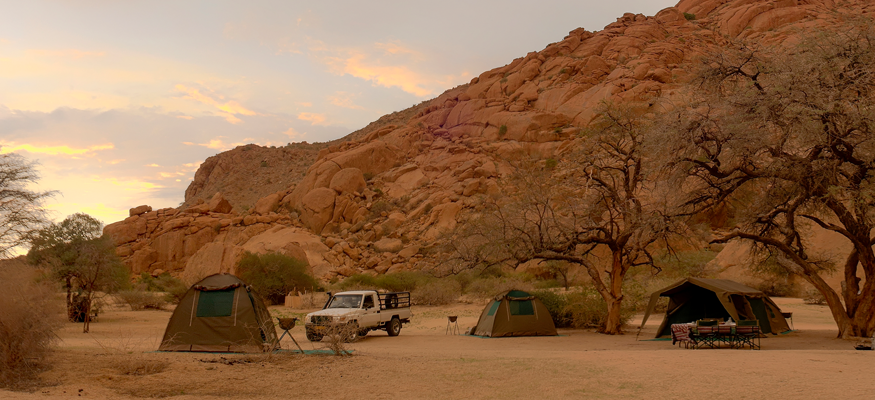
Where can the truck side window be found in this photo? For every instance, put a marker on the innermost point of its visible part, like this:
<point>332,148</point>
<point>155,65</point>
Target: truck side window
<point>369,302</point>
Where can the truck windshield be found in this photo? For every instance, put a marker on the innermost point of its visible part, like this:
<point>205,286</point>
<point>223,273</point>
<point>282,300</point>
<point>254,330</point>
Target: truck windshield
<point>346,301</point>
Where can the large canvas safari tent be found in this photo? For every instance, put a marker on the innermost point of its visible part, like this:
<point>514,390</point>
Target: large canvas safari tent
<point>515,313</point>
<point>220,314</point>
<point>692,299</point>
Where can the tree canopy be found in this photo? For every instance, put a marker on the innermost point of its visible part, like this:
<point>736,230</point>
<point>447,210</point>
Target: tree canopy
<point>790,136</point>
<point>21,209</point>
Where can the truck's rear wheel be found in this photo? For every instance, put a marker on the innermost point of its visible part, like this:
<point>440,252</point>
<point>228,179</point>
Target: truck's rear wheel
<point>393,328</point>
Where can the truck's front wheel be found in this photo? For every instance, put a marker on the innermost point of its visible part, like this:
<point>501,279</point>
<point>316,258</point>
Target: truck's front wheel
<point>393,328</point>
<point>352,332</point>
<point>313,337</point>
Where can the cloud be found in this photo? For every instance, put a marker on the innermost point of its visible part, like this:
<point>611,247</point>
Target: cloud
<point>11,147</point>
<point>304,104</point>
<point>293,134</point>
<point>188,117</point>
<point>344,99</point>
<point>313,118</point>
<point>217,144</point>
<point>67,53</point>
<point>228,109</point>
<point>390,65</point>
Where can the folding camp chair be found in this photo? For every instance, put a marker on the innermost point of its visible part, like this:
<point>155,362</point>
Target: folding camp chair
<point>705,334</point>
<point>287,324</point>
<point>747,333</point>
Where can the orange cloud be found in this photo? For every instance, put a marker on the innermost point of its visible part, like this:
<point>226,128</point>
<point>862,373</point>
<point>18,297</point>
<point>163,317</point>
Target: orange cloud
<point>11,147</point>
<point>216,144</point>
<point>313,118</point>
<point>228,109</point>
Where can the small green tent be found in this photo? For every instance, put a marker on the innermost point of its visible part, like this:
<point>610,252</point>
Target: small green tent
<point>692,299</point>
<point>220,314</point>
<point>515,313</point>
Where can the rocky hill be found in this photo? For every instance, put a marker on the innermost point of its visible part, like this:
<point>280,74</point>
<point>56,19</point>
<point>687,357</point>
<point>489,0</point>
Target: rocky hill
<point>375,200</point>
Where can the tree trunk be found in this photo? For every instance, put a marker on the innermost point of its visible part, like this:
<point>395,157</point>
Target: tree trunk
<point>847,326</point>
<point>614,323</point>
<point>87,322</point>
<point>69,286</point>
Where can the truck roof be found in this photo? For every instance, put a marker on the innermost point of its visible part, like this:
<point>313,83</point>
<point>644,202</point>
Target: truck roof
<point>355,292</point>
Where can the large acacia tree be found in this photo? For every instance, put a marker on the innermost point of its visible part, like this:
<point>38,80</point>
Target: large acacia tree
<point>596,207</point>
<point>788,136</point>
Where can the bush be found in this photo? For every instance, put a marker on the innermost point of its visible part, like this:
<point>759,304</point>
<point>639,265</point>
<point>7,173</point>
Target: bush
<point>140,300</point>
<point>436,292</point>
<point>775,287</point>
<point>583,308</point>
<point>30,314</point>
<point>502,130</point>
<point>689,17</point>
<point>813,296</point>
<point>174,289</point>
<point>273,275</point>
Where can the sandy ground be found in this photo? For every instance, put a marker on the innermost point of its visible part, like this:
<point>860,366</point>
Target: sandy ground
<point>424,362</point>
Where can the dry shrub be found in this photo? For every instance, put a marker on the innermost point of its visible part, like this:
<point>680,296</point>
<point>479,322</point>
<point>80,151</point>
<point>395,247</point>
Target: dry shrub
<point>139,366</point>
<point>139,300</point>
<point>126,357</point>
<point>29,315</point>
<point>813,296</point>
<point>436,292</point>
<point>313,299</point>
<point>337,336</point>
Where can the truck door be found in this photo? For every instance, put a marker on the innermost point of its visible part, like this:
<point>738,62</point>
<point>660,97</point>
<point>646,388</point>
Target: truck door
<point>370,317</point>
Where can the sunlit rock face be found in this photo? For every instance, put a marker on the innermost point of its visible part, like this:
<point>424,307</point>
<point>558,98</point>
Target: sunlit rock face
<point>378,199</point>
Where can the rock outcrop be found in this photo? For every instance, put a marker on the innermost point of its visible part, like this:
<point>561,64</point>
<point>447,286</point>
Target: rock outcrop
<point>375,201</point>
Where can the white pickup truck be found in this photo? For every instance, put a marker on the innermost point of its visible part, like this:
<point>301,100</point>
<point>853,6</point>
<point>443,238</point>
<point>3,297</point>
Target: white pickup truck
<point>359,312</point>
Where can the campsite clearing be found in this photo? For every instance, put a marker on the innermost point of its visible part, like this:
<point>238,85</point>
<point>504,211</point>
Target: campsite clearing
<point>117,360</point>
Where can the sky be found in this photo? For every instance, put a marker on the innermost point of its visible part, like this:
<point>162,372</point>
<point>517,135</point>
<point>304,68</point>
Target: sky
<point>119,101</point>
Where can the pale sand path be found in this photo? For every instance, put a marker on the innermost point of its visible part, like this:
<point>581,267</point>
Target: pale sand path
<point>425,363</point>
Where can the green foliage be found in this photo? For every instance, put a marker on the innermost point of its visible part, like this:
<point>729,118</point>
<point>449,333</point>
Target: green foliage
<point>76,254</point>
<point>551,163</point>
<point>273,275</point>
<point>264,164</point>
<point>173,288</point>
<point>394,282</point>
<point>580,308</point>
<point>686,264</point>
<point>140,300</point>
<point>502,130</point>
<point>689,17</point>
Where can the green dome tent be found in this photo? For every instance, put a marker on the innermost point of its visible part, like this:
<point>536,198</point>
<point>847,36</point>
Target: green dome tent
<point>220,314</point>
<point>515,313</point>
<point>692,299</point>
